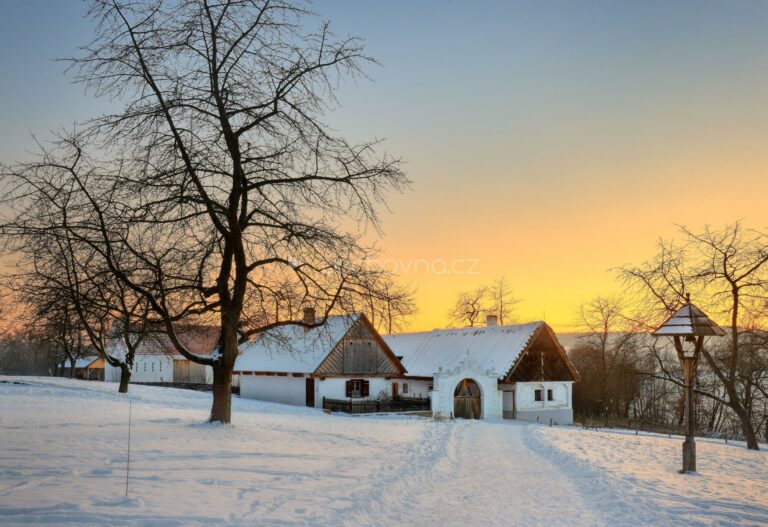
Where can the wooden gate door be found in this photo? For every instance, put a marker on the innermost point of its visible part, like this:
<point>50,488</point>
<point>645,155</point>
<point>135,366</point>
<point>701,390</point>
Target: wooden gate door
<point>196,373</point>
<point>180,371</point>
<point>394,390</point>
<point>310,392</point>
<point>466,400</point>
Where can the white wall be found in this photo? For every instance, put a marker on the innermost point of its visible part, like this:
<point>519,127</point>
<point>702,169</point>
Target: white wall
<point>292,390</point>
<point>526,397</point>
<point>151,368</point>
<point>286,390</point>
<point>336,387</point>
<point>559,410</point>
<point>445,383</point>
<point>416,388</point>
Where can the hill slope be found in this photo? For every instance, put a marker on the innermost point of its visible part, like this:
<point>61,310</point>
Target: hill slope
<point>63,457</point>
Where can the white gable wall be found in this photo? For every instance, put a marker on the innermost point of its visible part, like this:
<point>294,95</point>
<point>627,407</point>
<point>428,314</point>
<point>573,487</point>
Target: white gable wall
<point>446,381</point>
<point>527,408</point>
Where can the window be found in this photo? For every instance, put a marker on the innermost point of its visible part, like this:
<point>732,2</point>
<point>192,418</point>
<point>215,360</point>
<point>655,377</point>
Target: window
<point>405,387</point>
<point>145,366</point>
<point>550,395</point>
<point>160,366</point>
<point>538,395</point>
<point>429,388</point>
<point>357,388</point>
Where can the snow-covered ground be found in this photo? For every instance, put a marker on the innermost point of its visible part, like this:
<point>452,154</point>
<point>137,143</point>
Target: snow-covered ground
<point>63,457</point>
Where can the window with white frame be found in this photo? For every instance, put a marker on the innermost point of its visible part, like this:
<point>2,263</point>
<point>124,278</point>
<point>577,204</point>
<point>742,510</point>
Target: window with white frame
<point>538,395</point>
<point>550,395</point>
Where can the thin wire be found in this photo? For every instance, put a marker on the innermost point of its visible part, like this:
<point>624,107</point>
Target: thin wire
<point>128,464</point>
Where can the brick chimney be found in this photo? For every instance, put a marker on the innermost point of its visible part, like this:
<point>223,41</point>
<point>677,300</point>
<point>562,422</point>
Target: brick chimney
<point>309,315</point>
<point>491,320</point>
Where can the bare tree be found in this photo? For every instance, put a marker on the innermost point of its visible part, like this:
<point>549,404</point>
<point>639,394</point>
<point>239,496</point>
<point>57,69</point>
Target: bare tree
<point>218,187</point>
<point>72,298</point>
<point>726,271</point>
<point>606,357</point>
<point>469,307</point>
<point>501,300</point>
<point>386,304</point>
<point>494,299</point>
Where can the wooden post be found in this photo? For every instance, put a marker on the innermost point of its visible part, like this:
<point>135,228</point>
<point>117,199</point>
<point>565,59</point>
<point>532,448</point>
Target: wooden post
<point>689,374</point>
<point>689,445</point>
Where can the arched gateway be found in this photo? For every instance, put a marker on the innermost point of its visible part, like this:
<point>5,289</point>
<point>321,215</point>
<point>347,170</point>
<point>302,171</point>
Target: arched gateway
<point>467,400</point>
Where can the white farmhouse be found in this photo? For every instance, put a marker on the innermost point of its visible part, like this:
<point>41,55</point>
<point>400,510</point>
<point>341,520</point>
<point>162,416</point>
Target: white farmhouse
<point>157,361</point>
<point>517,372</point>
<point>345,358</point>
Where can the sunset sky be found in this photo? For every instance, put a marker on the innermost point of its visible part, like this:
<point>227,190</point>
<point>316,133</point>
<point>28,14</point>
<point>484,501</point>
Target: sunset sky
<point>548,141</point>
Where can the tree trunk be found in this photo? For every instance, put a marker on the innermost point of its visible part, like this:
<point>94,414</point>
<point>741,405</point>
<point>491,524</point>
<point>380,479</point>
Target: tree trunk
<point>748,430</point>
<point>72,369</point>
<point>125,378</point>
<point>221,409</point>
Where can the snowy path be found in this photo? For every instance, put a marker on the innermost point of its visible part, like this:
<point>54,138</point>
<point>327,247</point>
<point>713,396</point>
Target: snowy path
<point>62,462</point>
<point>487,475</point>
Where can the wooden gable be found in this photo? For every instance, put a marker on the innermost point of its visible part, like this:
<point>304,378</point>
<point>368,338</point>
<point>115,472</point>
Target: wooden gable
<point>544,359</point>
<point>361,352</point>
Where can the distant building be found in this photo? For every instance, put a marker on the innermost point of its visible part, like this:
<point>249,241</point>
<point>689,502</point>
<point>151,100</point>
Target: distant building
<point>157,359</point>
<point>88,368</point>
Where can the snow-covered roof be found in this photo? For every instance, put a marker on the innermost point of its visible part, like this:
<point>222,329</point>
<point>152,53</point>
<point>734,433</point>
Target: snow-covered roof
<point>491,347</point>
<point>82,362</point>
<point>689,320</point>
<point>199,339</point>
<point>292,349</point>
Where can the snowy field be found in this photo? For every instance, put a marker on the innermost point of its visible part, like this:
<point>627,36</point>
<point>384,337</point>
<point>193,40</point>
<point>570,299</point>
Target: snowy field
<point>63,456</point>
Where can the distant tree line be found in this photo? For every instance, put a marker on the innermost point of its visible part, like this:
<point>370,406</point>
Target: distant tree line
<point>627,373</point>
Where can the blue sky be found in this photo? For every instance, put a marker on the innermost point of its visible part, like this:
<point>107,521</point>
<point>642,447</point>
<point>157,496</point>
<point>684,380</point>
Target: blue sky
<point>552,140</point>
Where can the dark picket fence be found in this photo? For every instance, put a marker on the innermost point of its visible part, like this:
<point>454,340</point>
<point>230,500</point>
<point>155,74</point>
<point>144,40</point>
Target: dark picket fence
<point>370,406</point>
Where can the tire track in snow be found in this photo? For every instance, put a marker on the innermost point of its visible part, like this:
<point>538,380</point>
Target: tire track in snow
<point>592,483</point>
<point>392,488</point>
<point>487,474</point>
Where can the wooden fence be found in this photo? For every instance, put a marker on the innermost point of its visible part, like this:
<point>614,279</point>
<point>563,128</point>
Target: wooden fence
<point>369,406</point>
